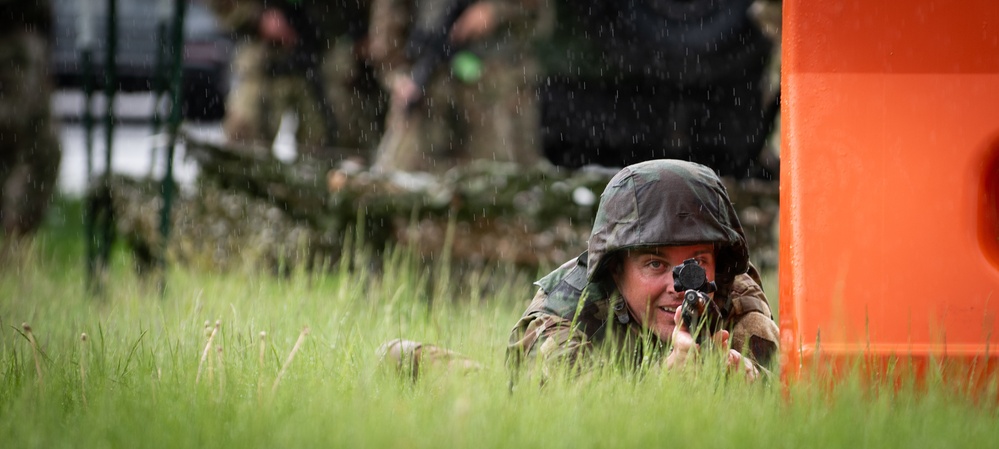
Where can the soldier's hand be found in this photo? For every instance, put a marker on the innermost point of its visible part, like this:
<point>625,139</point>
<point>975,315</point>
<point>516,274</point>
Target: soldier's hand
<point>274,27</point>
<point>478,21</point>
<point>734,360</point>
<point>404,91</point>
<point>684,346</point>
<point>683,342</point>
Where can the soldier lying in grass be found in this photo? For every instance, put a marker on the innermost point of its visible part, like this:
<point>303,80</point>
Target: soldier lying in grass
<point>617,303</point>
<point>620,292</point>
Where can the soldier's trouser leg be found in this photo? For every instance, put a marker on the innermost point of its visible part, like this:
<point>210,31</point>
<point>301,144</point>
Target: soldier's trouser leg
<point>29,148</point>
<point>353,116</point>
<point>28,190</point>
<point>20,81</point>
<point>398,148</point>
<point>420,139</point>
<point>357,101</point>
<point>502,114</point>
<point>294,93</point>
<point>246,120</point>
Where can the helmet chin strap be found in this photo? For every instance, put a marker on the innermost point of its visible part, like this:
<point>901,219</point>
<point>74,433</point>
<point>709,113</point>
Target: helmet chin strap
<point>621,310</point>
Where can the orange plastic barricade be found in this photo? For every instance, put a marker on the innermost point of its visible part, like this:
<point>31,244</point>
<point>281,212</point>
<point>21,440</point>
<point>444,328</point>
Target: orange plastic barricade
<point>890,183</point>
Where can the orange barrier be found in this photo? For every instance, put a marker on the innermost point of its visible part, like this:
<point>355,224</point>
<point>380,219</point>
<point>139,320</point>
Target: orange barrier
<point>890,181</point>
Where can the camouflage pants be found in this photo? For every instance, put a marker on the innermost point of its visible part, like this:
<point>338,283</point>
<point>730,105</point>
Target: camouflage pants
<point>496,118</point>
<point>260,98</point>
<point>29,148</point>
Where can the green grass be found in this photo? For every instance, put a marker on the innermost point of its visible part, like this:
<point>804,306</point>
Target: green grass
<point>143,352</point>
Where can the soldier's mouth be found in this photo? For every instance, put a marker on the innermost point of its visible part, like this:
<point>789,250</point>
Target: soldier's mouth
<point>670,308</point>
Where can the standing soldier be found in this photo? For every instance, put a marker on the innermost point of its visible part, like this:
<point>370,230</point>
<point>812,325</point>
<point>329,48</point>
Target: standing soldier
<point>302,56</point>
<point>29,148</point>
<point>485,106</point>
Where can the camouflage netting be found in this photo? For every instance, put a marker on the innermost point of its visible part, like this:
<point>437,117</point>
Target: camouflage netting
<point>252,211</point>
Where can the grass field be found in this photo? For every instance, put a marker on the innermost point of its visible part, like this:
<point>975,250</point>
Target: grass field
<point>142,378</point>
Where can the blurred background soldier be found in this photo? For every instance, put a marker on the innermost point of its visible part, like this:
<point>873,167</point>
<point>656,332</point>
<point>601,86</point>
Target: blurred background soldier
<point>306,57</point>
<point>462,76</point>
<point>29,149</point>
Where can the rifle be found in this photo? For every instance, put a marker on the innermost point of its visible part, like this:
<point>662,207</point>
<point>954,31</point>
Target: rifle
<point>306,59</point>
<point>699,313</point>
<point>429,44</point>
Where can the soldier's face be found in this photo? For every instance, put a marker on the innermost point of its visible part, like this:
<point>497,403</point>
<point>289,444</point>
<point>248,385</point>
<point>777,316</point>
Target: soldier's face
<point>645,279</point>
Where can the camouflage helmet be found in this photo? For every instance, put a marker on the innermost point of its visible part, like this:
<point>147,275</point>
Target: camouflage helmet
<point>667,202</point>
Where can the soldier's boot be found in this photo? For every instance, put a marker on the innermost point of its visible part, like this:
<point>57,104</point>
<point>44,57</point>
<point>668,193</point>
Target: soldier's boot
<point>412,357</point>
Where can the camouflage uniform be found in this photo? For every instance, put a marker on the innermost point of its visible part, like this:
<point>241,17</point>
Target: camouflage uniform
<point>661,202</point>
<point>266,85</point>
<point>496,117</point>
<point>29,148</point>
